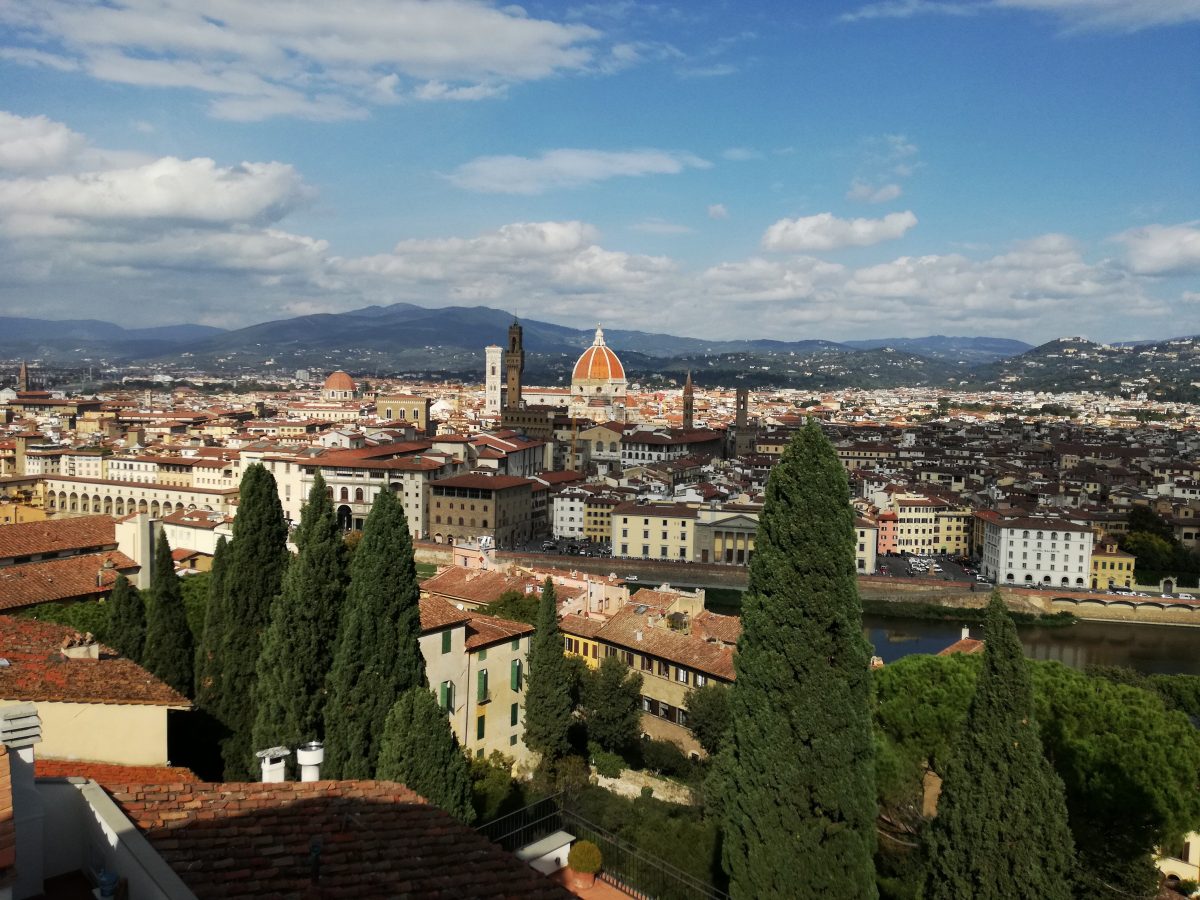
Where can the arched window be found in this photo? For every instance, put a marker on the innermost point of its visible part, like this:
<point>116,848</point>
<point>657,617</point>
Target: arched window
<point>485,524</point>
<point>1067,536</point>
<point>1039,536</point>
<point>358,495</point>
<point>1054,535</point>
<point>460,520</point>
<point>1028,579</point>
<point>345,494</point>
<point>1025,534</point>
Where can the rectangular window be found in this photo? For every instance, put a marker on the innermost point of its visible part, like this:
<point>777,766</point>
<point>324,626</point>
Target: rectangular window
<point>682,675</point>
<point>446,696</point>
<point>647,663</point>
<point>701,680</point>
<point>446,639</point>
<point>515,675</point>
<point>482,653</point>
<point>595,651</point>
<point>516,644</point>
<point>482,683</point>
<point>480,729</point>
<point>512,740</point>
<point>664,668</point>
<point>513,713</point>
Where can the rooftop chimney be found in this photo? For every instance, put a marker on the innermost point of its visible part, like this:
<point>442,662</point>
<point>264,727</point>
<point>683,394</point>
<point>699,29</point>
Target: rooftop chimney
<point>80,646</point>
<point>273,766</point>
<point>310,756</point>
<point>20,729</point>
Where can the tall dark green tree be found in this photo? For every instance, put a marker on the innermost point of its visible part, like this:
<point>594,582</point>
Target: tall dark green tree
<point>798,805</point>
<point>612,705</point>
<point>548,701</point>
<point>418,749</point>
<point>169,650</point>
<point>297,648</point>
<point>378,656</point>
<point>215,624</point>
<point>256,559</point>
<point>1001,828</point>
<point>708,716</point>
<point>126,632</point>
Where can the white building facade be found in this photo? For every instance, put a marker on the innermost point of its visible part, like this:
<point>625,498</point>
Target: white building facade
<point>1036,551</point>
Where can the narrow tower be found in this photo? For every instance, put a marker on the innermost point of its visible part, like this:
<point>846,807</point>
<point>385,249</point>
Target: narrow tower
<point>514,366</point>
<point>689,402</point>
<point>743,437</point>
<point>493,390</point>
<point>23,378</point>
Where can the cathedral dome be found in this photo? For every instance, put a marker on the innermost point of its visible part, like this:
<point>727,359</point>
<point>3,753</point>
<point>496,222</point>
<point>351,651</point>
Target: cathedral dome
<point>339,381</point>
<point>598,363</point>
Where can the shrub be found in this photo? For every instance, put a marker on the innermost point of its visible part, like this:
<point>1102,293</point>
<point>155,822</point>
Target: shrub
<point>665,757</point>
<point>584,858</point>
<point>610,765</point>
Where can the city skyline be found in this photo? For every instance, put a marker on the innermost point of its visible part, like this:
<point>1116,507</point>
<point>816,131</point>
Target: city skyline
<point>1021,168</point>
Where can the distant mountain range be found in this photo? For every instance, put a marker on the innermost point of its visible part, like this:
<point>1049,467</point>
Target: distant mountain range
<point>407,339</point>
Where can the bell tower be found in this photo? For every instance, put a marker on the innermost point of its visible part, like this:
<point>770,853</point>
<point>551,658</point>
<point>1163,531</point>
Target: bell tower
<point>514,366</point>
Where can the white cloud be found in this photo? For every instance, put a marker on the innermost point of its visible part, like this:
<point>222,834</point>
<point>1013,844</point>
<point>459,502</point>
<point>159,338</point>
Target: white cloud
<point>862,192</point>
<point>742,154</point>
<point>826,231</point>
<point>1162,249</point>
<point>36,142</point>
<point>319,61</point>
<point>1109,15</point>
<point>718,211</point>
<point>566,168</point>
<point>660,226</point>
<point>906,9</point>
<point>205,241</point>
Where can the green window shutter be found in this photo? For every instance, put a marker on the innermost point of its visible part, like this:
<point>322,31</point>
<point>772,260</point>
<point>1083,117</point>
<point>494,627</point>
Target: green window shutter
<point>483,687</point>
<point>482,653</point>
<point>512,715</point>
<point>446,638</point>
<point>444,695</point>
<point>450,696</point>
<point>480,727</point>
<point>515,671</point>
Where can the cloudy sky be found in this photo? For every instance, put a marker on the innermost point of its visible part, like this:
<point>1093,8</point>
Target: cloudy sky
<point>833,168</point>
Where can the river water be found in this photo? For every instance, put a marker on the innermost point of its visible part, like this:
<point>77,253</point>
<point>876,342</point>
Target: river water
<point>1161,649</point>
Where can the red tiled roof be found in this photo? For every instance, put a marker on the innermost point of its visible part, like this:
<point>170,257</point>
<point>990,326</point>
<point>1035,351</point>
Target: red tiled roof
<point>109,773</point>
<point>375,839</point>
<point>483,631</point>
<point>69,578</point>
<point>437,614</point>
<point>477,586</point>
<point>659,640</point>
<point>488,482</point>
<point>55,535</point>
<point>38,671</point>
<point>964,645</point>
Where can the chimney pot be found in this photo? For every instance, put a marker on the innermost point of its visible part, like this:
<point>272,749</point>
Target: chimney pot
<point>309,757</point>
<point>273,766</point>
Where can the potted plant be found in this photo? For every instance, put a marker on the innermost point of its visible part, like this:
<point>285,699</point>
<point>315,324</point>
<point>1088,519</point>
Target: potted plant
<point>584,861</point>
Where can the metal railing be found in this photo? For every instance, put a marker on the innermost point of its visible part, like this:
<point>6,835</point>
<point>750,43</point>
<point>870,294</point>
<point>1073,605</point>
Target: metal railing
<point>626,867</point>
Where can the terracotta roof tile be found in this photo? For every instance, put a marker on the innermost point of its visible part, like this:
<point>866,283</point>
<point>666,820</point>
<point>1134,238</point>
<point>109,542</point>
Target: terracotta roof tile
<point>483,631</point>
<point>38,671</point>
<point>437,614</point>
<point>109,773</point>
<point>375,839</point>
<point>56,535</point>
<point>686,649</point>
<point>68,578</point>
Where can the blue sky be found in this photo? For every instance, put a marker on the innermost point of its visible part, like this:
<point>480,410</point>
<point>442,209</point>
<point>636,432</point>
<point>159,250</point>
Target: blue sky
<point>1017,168</point>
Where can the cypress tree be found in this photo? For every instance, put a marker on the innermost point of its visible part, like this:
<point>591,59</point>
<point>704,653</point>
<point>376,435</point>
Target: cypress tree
<point>612,705</point>
<point>1001,829</point>
<point>298,645</point>
<point>377,656</point>
<point>126,620</point>
<point>257,558</point>
<point>798,810</point>
<point>418,749</point>
<point>548,689</point>
<point>207,675</point>
<point>168,652</point>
